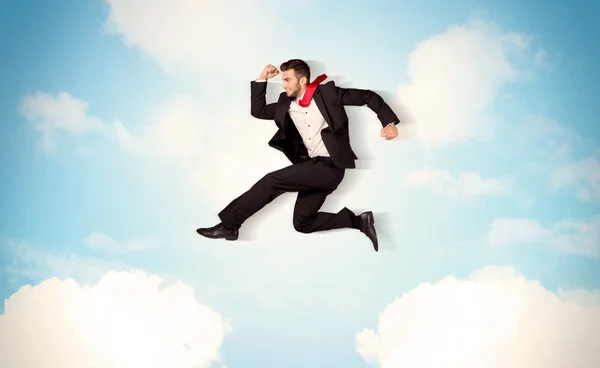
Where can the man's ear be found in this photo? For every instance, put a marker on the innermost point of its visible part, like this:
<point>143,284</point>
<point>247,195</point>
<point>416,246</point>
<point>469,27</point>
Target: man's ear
<point>303,81</point>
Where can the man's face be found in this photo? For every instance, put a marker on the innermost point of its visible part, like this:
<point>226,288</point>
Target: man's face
<point>291,84</point>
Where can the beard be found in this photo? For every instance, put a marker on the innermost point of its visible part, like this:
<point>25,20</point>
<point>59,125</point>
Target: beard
<point>294,93</point>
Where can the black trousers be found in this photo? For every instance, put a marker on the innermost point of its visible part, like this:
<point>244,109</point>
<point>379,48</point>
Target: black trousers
<point>313,179</point>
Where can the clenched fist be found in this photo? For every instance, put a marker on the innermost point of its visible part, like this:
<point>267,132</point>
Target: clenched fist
<point>269,72</point>
<point>389,132</point>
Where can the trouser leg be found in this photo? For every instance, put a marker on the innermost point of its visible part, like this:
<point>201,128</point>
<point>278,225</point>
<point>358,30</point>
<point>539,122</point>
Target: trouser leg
<point>314,174</point>
<point>308,219</point>
<point>247,204</point>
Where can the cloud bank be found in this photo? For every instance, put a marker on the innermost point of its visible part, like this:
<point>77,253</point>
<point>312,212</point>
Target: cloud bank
<point>125,320</point>
<point>495,318</point>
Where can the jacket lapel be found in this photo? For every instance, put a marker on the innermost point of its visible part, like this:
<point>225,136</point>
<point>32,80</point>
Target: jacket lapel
<point>283,106</point>
<point>320,102</point>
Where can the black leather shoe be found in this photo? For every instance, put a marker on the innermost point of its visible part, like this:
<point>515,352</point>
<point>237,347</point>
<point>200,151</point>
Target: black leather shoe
<point>367,227</point>
<point>218,232</point>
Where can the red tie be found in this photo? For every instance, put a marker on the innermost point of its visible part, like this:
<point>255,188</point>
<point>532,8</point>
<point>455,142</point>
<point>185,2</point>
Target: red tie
<point>310,89</point>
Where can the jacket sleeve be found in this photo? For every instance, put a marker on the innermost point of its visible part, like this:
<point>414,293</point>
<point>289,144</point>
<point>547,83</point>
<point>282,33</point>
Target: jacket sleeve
<point>258,103</point>
<point>361,97</point>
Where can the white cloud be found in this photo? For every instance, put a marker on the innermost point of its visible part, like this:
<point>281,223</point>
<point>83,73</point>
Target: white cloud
<point>101,241</point>
<point>583,176</point>
<point>125,320</point>
<point>466,186</point>
<point>578,237</point>
<point>199,35</point>
<point>455,78</point>
<point>495,318</point>
<point>53,115</point>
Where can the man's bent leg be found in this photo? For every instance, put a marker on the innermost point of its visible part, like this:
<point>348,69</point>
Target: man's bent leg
<point>240,209</point>
<point>308,219</point>
<point>259,195</point>
<point>305,176</point>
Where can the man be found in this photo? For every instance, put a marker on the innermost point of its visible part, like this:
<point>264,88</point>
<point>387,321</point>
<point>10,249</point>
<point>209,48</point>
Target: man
<point>313,134</point>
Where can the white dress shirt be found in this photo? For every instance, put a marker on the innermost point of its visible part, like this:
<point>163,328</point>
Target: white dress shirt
<point>309,121</point>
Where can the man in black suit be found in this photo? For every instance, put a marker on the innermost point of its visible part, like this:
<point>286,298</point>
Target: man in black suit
<point>313,135</point>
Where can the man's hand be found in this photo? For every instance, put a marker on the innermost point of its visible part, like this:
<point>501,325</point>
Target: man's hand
<point>389,132</point>
<point>268,72</point>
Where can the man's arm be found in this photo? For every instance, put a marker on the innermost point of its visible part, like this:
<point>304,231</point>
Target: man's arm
<point>258,91</point>
<point>361,97</point>
<point>258,104</point>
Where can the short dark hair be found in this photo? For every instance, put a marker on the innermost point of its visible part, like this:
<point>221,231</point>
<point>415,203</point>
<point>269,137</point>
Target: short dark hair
<point>300,67</point>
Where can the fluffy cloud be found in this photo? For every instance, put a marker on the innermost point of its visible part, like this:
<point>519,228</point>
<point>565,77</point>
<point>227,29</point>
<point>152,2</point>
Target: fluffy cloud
<point>455,78</point>
<point>578,237</point>
<point>466,186</point>
<point>197,35</point>
<point>62,113</point>
<point>495,318</point>
<point>125,320</point>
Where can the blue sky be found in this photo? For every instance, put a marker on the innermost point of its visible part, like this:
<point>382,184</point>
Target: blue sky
<point>151,126</point>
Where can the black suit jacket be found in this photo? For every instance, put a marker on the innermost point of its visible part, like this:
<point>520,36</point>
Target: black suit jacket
<point>331,101</point>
